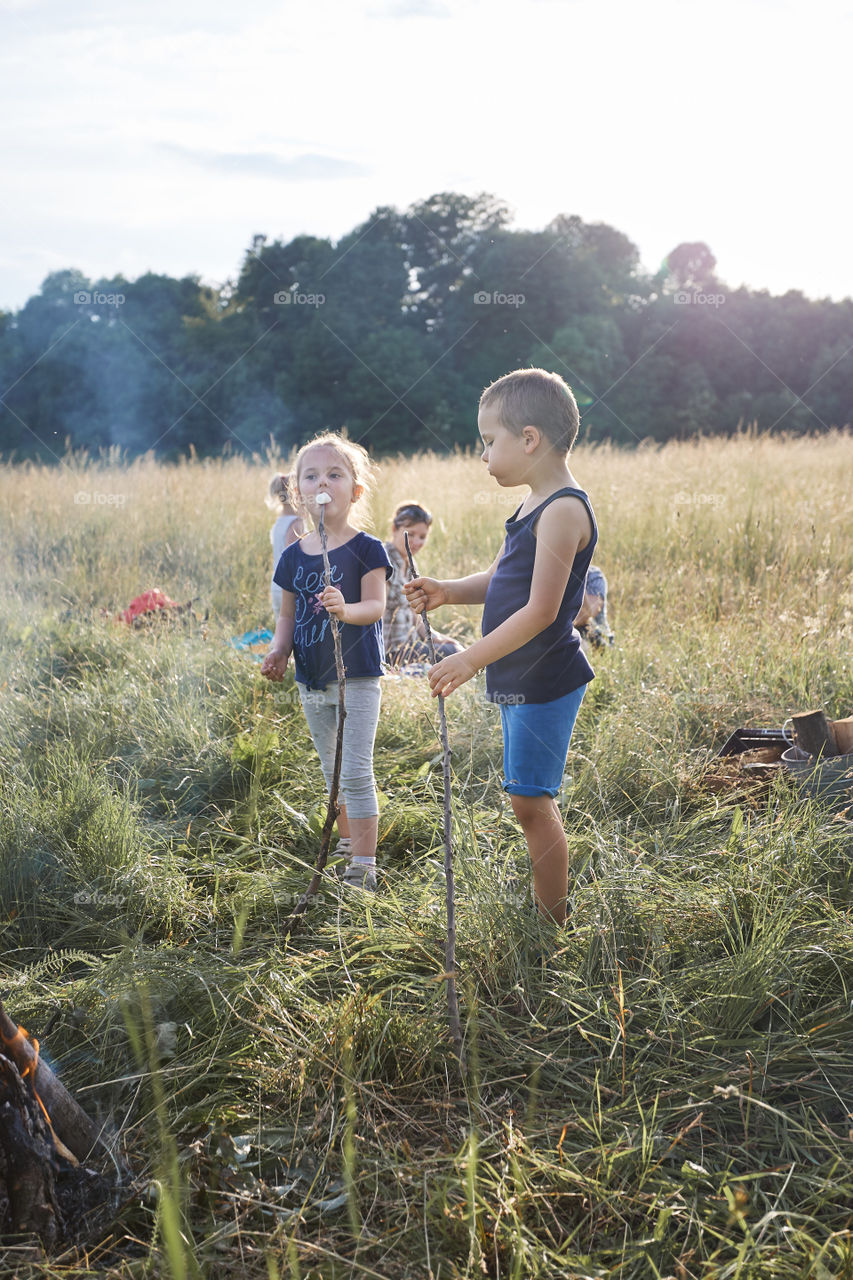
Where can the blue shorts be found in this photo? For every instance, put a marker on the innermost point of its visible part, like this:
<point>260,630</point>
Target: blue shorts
<point>536,742</point>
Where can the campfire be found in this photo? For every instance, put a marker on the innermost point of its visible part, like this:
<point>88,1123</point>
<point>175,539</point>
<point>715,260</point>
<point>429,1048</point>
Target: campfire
<point>46,1140</point>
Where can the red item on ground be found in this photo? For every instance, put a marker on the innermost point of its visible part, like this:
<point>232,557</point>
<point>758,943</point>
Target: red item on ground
<point>148,602</point>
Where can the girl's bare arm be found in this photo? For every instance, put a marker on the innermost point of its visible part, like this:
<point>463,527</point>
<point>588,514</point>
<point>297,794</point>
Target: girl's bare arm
<point>275,663</point>
<point>363,612</point>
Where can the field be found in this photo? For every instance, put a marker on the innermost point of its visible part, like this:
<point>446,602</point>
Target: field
<point>672,1098</point>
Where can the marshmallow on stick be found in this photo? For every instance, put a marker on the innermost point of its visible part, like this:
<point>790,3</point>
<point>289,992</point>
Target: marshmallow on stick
<point>322,500</point>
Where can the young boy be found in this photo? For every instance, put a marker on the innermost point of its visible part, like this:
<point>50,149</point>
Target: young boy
<point>535,667</point>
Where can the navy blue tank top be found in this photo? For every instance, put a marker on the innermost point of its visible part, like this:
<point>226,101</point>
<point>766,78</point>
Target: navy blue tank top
<point>552,664</point>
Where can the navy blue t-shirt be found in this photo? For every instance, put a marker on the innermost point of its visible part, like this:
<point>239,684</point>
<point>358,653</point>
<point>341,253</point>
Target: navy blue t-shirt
<point>553,663</point>
<point>313,646</point>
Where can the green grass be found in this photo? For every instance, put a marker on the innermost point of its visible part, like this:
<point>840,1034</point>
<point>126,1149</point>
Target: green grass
<point>671,1098</point>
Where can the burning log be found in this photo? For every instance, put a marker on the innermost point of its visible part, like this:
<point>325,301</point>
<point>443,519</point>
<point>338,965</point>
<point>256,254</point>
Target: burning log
<point>76,1133</point>
<point>44,1136</point>
<point>29,1164</point>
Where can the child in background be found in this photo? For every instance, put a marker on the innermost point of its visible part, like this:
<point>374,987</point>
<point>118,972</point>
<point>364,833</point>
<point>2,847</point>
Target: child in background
<point>403,630</point>
<point>287,528</point>
<point>532,591</point>
<point>592,622</point>
<point>355,597</point>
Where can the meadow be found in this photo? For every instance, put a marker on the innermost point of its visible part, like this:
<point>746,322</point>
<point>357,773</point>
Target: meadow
<point>672,1098</point>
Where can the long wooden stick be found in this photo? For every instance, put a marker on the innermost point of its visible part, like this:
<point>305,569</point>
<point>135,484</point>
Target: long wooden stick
<point>450,943</point>
<point>332,809</point>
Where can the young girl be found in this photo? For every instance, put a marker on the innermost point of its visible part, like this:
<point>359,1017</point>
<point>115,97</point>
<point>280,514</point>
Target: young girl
<point>287,528</point>
<point>340,469</point>
<point>403,629</point>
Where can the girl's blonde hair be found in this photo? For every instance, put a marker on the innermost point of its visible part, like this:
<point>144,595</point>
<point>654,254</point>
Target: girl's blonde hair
<point>278,496</point>
<point>355,458</point>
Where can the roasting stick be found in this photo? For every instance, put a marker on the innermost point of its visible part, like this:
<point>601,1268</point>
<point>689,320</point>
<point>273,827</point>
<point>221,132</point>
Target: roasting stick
<point>332,810</point>
<point>450,944</point>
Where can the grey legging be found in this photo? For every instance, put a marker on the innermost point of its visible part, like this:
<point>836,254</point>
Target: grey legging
<point>363,695</point>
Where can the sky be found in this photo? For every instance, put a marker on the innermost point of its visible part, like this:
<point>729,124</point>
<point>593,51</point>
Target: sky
<point>163,135</point>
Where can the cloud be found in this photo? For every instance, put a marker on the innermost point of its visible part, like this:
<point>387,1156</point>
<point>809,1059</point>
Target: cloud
<point>411,9</point>
<point>309,167</point>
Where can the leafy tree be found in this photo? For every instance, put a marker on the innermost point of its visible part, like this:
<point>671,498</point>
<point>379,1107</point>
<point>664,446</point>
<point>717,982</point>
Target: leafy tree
<point>393,331</point>
<point>691,266</point>
<point>443,235</point>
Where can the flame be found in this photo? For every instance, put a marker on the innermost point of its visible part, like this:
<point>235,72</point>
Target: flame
<point>24,1052</point>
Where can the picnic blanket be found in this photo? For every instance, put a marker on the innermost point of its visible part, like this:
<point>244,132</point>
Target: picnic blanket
<point>254,643</point>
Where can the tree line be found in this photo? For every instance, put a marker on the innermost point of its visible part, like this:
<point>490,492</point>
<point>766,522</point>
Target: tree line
<point>394,330</point>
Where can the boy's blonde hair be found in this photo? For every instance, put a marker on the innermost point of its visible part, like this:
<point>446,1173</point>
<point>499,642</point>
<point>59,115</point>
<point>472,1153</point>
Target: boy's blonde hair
<point>535,398</point>
<point>278,496</point>
<point>355,458</point>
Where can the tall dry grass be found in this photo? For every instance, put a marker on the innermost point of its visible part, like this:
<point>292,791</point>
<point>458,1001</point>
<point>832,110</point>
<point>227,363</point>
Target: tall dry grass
<point>751,524</point>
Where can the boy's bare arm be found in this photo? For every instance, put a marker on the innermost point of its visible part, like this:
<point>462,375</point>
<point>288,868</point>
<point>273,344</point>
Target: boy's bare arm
<point>563,529</point>
<point>429,593</point>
